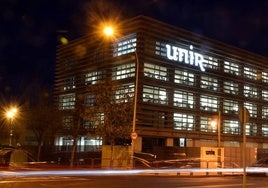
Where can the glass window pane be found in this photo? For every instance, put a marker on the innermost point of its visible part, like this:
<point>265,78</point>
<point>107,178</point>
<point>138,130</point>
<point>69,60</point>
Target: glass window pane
<point>183,121</point>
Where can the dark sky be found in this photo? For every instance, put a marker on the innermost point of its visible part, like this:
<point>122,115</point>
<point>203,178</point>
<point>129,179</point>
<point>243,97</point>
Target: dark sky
<point>29,28</point>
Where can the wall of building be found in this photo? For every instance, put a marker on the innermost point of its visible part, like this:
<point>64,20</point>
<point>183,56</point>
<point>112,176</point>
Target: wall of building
<point>185,80</point>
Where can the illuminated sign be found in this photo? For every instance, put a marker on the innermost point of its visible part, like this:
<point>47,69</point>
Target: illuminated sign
<point>187,56</point>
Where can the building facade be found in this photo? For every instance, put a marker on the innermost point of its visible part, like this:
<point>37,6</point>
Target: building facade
<point>185,81</point>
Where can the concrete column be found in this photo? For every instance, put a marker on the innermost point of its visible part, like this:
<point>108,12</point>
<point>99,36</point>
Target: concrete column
<point>138,144</point>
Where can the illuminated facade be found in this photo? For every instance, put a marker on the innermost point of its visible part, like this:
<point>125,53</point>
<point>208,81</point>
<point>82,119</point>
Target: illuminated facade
<point>185,80</point>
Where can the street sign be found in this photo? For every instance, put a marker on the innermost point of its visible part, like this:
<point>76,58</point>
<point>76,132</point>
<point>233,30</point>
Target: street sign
<point>134,135</point>
<point>243,115</point>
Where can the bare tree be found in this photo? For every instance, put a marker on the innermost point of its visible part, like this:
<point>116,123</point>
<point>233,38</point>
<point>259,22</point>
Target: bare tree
<point>111,115</point>
<point>76,129</point>
<point>42,117</point>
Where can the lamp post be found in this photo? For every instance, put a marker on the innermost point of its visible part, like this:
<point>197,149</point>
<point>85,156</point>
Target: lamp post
<point>134,134</point>
<point>109,32</point>
<point>217,123</point>
<point>219,140</point>
<point>10,114</point>
<point>244,118</point>
<point>219,129</point>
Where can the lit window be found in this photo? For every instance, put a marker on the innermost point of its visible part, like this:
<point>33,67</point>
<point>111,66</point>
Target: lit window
<point>265,95</point>
<point>183,99</point>
<point>67,101</point>
<point>208,103</point>
<point>183,121</point>
<point>99,119</point>
<point>250,91</point>
<point>125,45</point>
<point>125,93</point>
<point>154,94</point>
<point>231,127</point>
<point>93,120</point>
<point>123,71</point>
<point>93,141</point>
<point>209,83</point>
<point>250,73</point>
<point>231,68</point>
<point>89,143</point>
<point>160,49</point>
<point>230,87</point>
<point>205,125</point>
<point>211,63</point>
<point>155,71</point>
<point>230,106</point>
<point>265,112</point>
<point>69,83</point>
<point>93,77</point>
<point>184,77</point>
<point>265,130</point>
<point>264,76</point>
<point>251,129</point>
<point>252,108</point>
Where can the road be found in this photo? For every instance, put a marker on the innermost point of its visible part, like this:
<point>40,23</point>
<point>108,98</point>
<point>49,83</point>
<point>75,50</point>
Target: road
<point>130,181</point>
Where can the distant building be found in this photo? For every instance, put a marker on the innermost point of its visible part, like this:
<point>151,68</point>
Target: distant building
<point>185,81</point>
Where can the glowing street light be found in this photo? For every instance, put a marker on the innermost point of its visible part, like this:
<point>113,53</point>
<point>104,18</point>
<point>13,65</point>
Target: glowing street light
<point>108,31</point>
<point>11,114</point>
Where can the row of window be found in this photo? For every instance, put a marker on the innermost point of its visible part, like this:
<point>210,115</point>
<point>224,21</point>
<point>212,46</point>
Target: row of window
<point>158,95</point>
<point>187,122</point>
<point>82,141</point>
<point>180,77</point>
<point>160,73</point>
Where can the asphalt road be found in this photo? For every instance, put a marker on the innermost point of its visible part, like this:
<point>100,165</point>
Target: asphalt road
<point>131,181</point>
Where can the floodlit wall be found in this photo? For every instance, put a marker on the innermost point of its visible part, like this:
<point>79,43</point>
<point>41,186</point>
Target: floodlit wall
<point>233,156</point>
<point>116,157</point>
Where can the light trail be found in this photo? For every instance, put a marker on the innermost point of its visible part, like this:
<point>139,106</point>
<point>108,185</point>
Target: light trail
<point>24,173</point>
<point>175,171</point>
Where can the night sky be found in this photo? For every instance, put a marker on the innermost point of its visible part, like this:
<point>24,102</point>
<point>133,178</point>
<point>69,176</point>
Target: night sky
<point>29,29</point>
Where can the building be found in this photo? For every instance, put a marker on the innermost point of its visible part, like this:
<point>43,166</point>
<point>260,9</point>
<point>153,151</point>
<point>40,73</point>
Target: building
<point>184,82</point>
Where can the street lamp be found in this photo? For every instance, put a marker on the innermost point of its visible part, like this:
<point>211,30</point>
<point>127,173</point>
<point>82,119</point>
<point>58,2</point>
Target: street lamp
<point>217,123</point>
<point>110,32</point>
<point>10,115</point>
